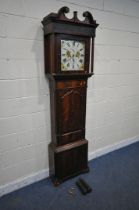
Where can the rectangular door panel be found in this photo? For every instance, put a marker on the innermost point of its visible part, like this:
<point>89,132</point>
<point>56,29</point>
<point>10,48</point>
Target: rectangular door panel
<point>71,106</point>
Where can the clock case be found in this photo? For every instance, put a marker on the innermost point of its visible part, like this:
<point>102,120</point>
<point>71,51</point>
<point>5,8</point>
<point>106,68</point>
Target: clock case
<point>68,150</point>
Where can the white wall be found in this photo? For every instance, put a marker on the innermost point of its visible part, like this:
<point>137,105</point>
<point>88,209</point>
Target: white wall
<point>113,92</point>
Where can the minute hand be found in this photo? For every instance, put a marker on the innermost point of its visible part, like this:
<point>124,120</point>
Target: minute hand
<point>73,58</point>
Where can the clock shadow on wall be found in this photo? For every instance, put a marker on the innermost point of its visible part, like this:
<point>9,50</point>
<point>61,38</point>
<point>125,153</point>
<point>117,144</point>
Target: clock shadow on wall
<point>42,85</point>
<point>68,55</point>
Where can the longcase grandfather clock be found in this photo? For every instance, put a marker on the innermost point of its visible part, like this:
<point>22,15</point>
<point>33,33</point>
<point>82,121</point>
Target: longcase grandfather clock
<point>69,47</point>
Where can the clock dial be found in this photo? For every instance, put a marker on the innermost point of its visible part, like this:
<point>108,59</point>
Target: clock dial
<point>72,55</point>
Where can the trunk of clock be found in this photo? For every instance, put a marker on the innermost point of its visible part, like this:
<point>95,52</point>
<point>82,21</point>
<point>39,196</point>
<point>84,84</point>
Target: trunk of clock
<point>68,149</point>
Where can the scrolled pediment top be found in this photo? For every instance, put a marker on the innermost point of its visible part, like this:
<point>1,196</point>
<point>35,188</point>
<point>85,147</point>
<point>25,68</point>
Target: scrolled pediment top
<point>60,16</point>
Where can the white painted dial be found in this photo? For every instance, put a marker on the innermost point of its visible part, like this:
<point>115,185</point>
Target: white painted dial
<point>72,55</point>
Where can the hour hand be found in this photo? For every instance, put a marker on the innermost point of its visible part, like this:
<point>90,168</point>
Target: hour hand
<point>73,60</point>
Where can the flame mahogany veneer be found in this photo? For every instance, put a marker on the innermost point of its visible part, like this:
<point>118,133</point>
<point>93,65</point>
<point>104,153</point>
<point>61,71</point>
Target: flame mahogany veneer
<point>68,149</point>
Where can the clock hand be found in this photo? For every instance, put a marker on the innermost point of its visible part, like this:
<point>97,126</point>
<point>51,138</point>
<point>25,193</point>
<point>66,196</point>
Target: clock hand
<point>73,62</point>
<point>73,59</point>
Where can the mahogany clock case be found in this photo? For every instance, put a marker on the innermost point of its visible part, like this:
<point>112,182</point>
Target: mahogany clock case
<point>68,149</point>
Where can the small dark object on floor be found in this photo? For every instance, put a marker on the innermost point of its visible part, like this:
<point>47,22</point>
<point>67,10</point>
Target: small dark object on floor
<point>81,187</point>
<point>86,185</point>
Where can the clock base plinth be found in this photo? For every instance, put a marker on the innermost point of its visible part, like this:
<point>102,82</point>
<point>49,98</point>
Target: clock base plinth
<point>57,181</point>
<point>67,161</point>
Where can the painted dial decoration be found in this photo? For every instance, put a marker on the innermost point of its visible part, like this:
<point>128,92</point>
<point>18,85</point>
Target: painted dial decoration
<point>72,55</point>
